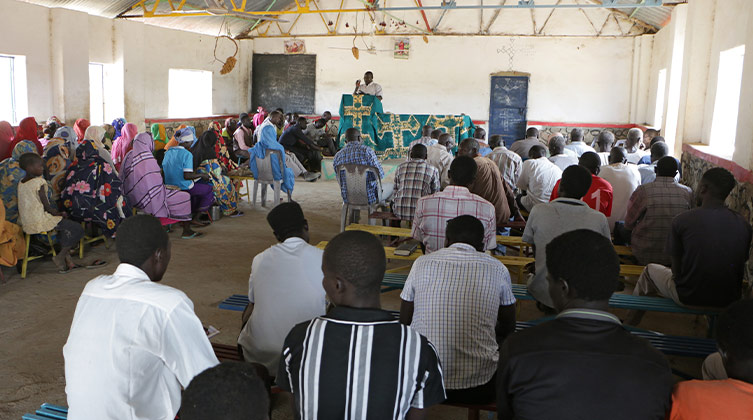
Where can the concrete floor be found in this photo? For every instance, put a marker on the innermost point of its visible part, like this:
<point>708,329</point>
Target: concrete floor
<point>37,311</point>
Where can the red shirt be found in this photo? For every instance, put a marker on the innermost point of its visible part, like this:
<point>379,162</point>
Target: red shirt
<point>598,197</point>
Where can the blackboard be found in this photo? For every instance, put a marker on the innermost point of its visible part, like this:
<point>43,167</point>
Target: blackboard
<point>283,81</point>
<point>508,106</point>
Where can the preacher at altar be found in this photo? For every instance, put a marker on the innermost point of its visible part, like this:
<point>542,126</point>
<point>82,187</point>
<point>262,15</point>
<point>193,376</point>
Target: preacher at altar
<point>390,134</point>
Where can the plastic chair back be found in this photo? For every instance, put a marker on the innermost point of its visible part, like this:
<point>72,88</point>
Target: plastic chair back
<point>356,184</point>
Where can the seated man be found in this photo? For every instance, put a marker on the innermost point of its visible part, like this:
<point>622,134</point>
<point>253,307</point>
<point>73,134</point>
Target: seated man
<point>318,132</point>
<point>488,183</point>
<point>133,343</point>
<point>480,136</point>
<point>177,165</point>
<point>521,147</point>
<point>726,398</point>
<point>358,361</point>
<point>357,153</point>
<point>633,145</point>
<point>648,171</point>
<point>433,211</point>
<point>599,195</point>
<point>228,391</point>
<point>583,364</point>
<point>650,211</point>
<point>476,287</point>
<point>305,149</point>
<point>425,138</point>
<point>577,144</point>
<point>438,157</point>
<point>508,162</point>
<point>648,136</point>
<point>604,144</point>
<point>273,310</point>
<point>413,179</point>
<point>557,152</point>
<point>243,137</point>
<point>537,179</point>
<point>624,180</point>
<point>708,245</point>
<point>549,220</point>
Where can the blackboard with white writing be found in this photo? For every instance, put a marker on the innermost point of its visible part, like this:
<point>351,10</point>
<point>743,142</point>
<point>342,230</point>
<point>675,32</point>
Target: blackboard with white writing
<point>284,81</point>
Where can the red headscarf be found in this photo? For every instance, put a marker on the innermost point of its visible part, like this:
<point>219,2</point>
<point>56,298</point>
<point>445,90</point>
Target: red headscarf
<point>80,128</point>
<point>27,130</point>
<point>6,137</point>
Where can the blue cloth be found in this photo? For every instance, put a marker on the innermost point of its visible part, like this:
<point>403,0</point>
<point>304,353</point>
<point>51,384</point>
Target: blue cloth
<point>484,151</point>
<point>268,141</point>
<point>359,154</point>
<point>177,160</point>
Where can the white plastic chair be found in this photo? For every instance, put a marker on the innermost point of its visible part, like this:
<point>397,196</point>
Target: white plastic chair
<point>266,177</point>
<point>356,185</point>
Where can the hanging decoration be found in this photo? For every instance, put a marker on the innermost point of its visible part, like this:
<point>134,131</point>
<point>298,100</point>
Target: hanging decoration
<point>229,64</point>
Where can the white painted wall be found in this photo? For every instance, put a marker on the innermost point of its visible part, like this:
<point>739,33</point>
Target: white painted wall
<point>573,79</point>
<point>139,57</point>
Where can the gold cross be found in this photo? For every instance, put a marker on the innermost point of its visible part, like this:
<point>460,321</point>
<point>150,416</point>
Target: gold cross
<point>396,126</point>
<point>357,111</point>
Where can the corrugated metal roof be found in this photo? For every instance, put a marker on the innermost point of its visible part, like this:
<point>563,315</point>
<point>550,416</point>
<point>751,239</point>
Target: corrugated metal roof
<point>654,16</point>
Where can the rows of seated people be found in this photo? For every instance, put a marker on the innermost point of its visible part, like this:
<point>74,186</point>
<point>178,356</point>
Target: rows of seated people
<point>98,174</point>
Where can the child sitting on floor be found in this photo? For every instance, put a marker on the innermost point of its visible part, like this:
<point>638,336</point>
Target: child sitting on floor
<point>37,216</point>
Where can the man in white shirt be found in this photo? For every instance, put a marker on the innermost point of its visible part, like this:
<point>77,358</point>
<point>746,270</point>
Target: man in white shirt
<point>370,87</point>
<point>624,179</point>
<point>439,303</point>
<point>438,157</point>
<point>632,146</point>
<point>604,144</point>
<point>549,220</point>
<point>521,147</point>
<point>557,152</point>
<point>577,144</point>
<point>508,162</point>
<point>133,343</point>
<point>537,179</point>
<point>289,266</point>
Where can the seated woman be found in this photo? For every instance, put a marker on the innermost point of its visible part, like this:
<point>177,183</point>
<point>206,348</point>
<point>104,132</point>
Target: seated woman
<point>205,162</point>
<point>159,135</point>
<point>57,159</point>
<point>27,130</point>
<point>92,190</point>
<point>98,136</point>
<point>123,144</point>
<point>10,174</point>
<point>145,190</point>
<point>80,127</point>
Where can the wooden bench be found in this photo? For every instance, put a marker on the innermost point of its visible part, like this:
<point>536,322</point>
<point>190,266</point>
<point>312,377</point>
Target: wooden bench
<point>243,180</point>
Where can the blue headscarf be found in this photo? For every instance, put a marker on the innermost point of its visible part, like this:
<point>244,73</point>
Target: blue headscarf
<point>268,141</point>
<point>118,124</point>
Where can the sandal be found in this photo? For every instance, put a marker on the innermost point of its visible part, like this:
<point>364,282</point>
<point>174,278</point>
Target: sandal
<point>193,235</point>
<point>69,269</point>
<point>238,213</point>
<point>96,264</point>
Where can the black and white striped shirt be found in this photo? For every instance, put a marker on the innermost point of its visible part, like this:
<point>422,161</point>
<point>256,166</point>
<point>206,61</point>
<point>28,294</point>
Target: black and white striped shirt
<point>359,364</point>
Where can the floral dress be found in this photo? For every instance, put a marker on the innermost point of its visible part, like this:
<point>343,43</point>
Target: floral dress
<point>93,191</point>
<point>225,193</point>
<point>57,160</point>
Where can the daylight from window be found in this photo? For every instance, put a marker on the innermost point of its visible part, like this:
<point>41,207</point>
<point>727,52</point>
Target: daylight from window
<point>727,101</point>
<point>189,93</point>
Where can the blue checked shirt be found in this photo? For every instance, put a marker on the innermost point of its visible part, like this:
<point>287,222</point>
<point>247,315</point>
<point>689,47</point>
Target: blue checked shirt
<point>359,154</point>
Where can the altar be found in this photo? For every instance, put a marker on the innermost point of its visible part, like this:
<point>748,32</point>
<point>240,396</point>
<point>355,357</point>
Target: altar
<point>390,134</point>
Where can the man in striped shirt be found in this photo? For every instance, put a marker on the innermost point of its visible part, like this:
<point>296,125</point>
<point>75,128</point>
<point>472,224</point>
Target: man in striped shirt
<point>461,299</point>
<point>413,180</point>
<point>358,361</point>
<point>433,211</point>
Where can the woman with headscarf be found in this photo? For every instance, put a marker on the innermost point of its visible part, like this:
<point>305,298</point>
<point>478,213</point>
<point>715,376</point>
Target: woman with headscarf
<point>70,137</point>
<point>123,144</point>
<point>96,134</point>
<point>221,150</point>
<point>145,189</point>
<point>109,135</point>
<point>27,130</point>
<point>6,138</point>
<point>92,190</point>
<point>117,125</point>
<point>205,162</point>
<point>10,174</point>
<point>159,135</point>
<point>57,159</point>
<point>49,128</point>
<point>80,127</point>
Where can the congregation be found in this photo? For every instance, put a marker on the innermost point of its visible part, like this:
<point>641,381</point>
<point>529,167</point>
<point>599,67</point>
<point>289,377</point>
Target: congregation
<point>330,344</point>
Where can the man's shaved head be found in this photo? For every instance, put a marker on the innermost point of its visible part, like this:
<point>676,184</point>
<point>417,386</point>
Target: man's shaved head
<point>537,151</point>
<point>576,134</point>
<point>617,155</point>
<point>605,141</point>
<point>556,145</point>
<point>480,133</point>
<point>590,161</point>
<point>468,147</point>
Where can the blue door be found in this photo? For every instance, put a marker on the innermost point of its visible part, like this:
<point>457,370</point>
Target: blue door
<point>507,107</point>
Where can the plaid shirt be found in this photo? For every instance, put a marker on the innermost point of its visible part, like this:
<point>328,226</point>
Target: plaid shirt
<point>460,320</point>
<point>359,154</point>
<point>413,180</point>
<point>509,164</point>
<point>650,212</point>
<point>433,212</point>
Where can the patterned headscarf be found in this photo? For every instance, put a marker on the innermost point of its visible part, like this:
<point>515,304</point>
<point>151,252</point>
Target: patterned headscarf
<point>57,159</point>
<point>160,136</point>
<point>118,124</point>
<point>70,137</point>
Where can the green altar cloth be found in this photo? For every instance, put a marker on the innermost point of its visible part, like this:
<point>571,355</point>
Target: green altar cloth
<point>390,134</point>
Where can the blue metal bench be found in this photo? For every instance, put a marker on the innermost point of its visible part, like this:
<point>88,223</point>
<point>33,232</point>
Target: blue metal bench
<point>48,412</point>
